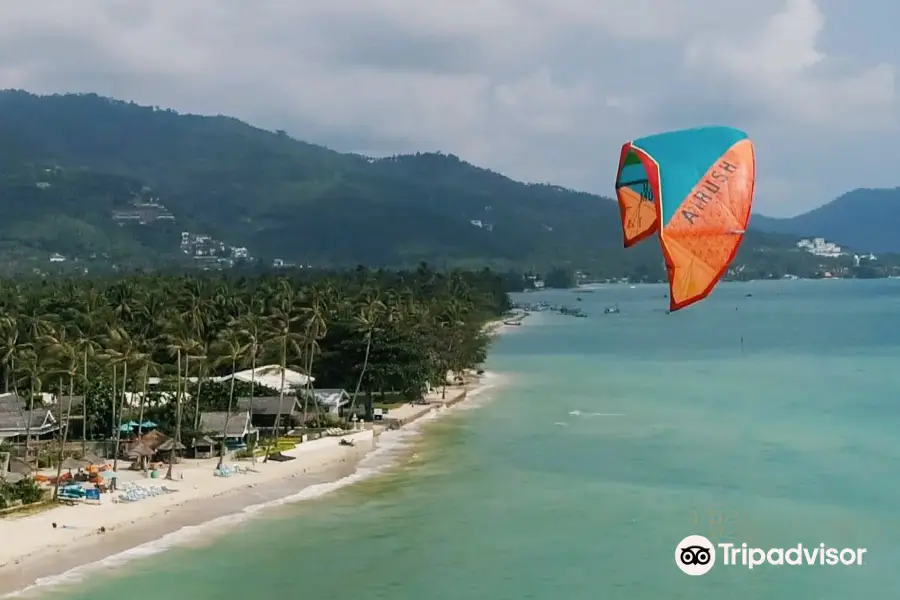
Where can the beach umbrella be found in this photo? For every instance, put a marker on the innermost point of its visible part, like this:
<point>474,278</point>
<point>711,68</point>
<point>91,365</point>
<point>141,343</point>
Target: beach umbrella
<point>93,459</point>
<point>169,445</point>
<point>148,424</point>
<point>70,463</point>
<point>140,450</point>
<point>128,426</point>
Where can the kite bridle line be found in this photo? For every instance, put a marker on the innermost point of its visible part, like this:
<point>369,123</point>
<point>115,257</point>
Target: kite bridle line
<point>646,192</point>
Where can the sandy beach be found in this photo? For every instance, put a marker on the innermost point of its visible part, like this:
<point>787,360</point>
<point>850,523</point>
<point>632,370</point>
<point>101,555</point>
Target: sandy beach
<point>32,550</point>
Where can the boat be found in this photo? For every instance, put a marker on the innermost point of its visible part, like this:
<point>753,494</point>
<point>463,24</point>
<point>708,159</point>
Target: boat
<point>611,310</point>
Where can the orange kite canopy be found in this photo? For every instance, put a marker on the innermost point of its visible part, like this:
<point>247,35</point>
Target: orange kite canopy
<point>694,189</point>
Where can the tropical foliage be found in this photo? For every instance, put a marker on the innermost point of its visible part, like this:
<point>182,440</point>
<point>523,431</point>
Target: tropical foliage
<point>368,332</point>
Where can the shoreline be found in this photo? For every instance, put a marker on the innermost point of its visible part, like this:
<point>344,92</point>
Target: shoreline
<point>43,556</point>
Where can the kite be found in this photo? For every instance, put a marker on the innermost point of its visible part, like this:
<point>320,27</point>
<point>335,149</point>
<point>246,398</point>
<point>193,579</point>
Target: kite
<point>694,189</point>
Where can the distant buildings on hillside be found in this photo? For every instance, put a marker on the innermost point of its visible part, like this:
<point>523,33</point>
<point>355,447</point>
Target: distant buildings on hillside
<point>210,252</point>
<point>819,247</point>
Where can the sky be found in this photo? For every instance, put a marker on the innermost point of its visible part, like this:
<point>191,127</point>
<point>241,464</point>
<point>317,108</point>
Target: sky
<point>539,90</point>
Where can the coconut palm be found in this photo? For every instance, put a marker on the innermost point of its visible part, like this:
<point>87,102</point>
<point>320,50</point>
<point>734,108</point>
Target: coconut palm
<point>315,327</point>
<point>9,343</point>
<point>287,344</point>
<point>180,343</point>
<point>122,350</point>
<point>367,322</point>
<point>87,343</point>
<point>233,349</point>
<point>65,353</point>
<point>251,327</point>
<point>328,323</point>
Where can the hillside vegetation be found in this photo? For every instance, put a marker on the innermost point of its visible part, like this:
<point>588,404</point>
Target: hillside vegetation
<point>70,163</point>
<point>865,220</point>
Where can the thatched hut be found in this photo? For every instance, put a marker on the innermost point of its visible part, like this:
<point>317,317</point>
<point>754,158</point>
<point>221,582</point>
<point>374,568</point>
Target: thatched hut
<point>203,447</point>
<point>94,460</point>
<point>140,454</point>
<point>168,447</point>
<point>153,439</point>
<point>72,463</point>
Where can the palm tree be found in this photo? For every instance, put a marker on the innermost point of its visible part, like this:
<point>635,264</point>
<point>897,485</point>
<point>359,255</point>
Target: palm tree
<point>123,351</point>
<point>449,320</point>
<point>252,328</point>
<point>32,367</point>
<point>9,343</point>
<point>287,342</point>
<point>145,365</point>
<point>315,328</point>
<point>367,322</point>
<point>233,351</point>
<point>201,353</point>
<point>179,317</point>
<point>63,350</point>
<point>87,345</point>
<point>179,342</point>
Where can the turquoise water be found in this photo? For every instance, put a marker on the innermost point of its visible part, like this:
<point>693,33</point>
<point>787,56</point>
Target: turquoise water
<point>677,429</point>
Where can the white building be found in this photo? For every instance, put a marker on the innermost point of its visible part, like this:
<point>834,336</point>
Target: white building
<point>819,247</point>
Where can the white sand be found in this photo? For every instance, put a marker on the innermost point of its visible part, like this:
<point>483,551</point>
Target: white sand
<point>30,548</point>
<point>34,534</point>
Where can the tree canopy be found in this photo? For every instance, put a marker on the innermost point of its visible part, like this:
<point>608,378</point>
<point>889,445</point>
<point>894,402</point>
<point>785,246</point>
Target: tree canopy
<point>368,332</point>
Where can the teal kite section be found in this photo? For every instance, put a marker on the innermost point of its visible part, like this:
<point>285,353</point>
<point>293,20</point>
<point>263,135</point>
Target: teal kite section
<point>684,157</point>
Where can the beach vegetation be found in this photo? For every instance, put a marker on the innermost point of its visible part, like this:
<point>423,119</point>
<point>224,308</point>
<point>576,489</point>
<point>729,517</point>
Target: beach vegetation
<point>381,336</point>
<point>25,491</point>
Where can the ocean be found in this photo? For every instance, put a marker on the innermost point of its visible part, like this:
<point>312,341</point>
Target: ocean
<point>767,415</point>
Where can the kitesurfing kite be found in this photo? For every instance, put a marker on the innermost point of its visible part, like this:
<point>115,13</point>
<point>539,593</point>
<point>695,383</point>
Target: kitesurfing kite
<point>694,189</point>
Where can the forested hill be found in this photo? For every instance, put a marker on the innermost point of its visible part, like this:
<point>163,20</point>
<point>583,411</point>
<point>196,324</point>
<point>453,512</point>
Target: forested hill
<point>866,220</point>
<point>87,176</point>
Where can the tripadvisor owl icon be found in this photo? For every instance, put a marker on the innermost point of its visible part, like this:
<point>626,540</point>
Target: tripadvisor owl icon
<point>695,555</point>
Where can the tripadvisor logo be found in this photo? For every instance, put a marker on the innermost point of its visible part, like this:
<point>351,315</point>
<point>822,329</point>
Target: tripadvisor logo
<point>696,555</point>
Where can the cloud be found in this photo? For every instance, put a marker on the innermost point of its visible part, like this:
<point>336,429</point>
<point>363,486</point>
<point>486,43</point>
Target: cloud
<point>782,67</point>
<point>542,90</point>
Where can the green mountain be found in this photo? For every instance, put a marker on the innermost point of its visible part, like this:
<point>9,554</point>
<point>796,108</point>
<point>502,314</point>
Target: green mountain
<point>866,220</point>
<point>86,176</point>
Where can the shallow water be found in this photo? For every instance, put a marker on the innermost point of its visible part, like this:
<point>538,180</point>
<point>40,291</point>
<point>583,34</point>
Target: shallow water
<point>616,437</point>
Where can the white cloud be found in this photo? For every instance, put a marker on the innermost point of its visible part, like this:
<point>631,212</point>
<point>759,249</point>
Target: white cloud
<point>782,65</point>
<point>543,90</point>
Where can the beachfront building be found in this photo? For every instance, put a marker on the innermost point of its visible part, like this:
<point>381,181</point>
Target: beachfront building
<point>270,376</point>
<point>203,447</point>
<point>265,409</point>
<point>16,421</point>
<point>239,430</point>
<point>332,400</point>
<point>71,405</point>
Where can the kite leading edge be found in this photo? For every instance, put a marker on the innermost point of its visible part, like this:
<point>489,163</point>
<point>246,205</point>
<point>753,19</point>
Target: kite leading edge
<point>694,188</point>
